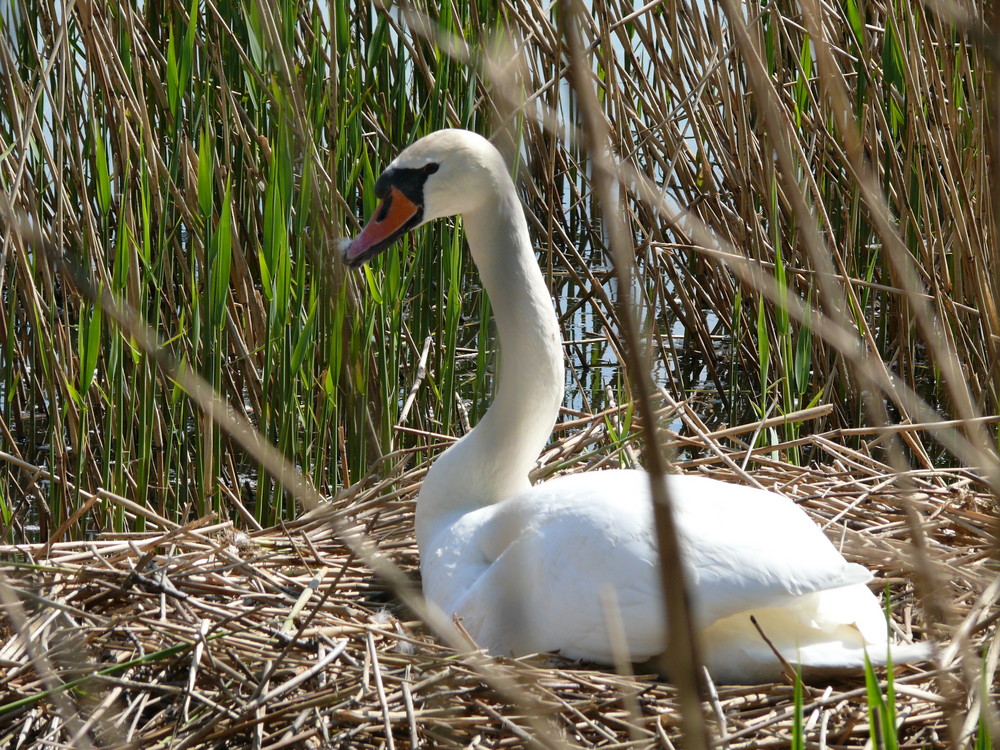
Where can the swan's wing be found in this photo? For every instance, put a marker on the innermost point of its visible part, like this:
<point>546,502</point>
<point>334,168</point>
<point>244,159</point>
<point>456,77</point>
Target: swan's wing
<point>743,547</point>
<point>746,548</point>
<point>557,555</point>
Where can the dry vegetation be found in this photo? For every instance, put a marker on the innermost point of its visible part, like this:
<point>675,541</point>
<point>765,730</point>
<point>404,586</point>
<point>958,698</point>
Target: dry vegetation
<point>808,189</point>
<point>203,636</point>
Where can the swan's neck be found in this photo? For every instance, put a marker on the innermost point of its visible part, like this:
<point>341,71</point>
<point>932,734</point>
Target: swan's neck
<point>492,462</point>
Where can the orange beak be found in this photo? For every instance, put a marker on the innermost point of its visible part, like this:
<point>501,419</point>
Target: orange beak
<point>395,215</point>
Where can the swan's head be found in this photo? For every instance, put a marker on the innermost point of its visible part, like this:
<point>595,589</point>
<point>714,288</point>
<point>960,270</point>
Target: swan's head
<point>445,173</point>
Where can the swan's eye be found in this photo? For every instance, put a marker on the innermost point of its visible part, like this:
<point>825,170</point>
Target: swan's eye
<point>431,168</point>
<point>383,210</point>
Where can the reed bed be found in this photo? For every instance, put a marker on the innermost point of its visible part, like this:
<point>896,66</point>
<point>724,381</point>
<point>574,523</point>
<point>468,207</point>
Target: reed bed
<point>809,193</point>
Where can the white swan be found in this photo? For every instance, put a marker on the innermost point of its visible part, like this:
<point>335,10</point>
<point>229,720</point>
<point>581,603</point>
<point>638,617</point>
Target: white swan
<point>531,569</point>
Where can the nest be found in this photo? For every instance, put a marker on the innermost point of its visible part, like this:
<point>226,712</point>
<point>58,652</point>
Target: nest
<point>204,635</point>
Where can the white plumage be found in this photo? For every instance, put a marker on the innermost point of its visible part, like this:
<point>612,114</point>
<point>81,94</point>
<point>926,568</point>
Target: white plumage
<point>529,569</point>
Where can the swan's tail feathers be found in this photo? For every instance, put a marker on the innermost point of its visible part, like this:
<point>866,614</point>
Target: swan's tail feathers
<point>851,662</point>
<point>902,653</point>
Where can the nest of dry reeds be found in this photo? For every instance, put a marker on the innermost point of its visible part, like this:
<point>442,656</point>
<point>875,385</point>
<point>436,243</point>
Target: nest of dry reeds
<point>203,635</point>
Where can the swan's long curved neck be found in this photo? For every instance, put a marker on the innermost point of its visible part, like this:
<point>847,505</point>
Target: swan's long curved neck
<point>492,461</point>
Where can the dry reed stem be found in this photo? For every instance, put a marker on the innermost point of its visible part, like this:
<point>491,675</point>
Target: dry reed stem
<point>682,638</point>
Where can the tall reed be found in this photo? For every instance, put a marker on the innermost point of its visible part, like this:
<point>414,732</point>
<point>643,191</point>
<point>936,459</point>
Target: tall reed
<point>202,165</point>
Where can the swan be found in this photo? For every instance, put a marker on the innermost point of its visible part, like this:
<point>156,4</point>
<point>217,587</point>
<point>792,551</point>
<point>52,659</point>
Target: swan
<point>530,569</point>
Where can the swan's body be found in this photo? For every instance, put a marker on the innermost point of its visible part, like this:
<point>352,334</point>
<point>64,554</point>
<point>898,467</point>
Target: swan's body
<point>531,569</point>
